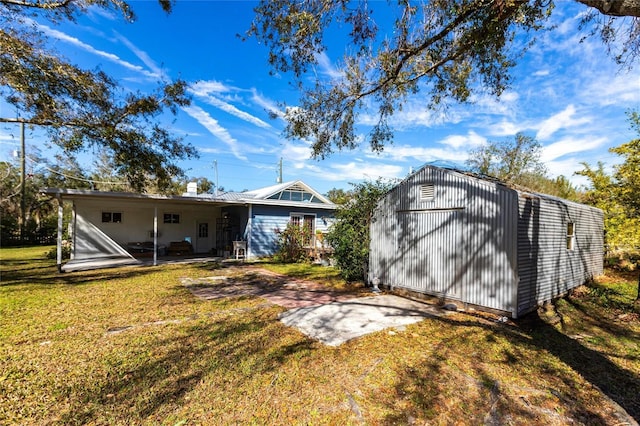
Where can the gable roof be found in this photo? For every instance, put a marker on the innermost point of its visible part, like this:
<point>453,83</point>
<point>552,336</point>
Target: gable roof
<point>288,191</point>
<point>520,190</point>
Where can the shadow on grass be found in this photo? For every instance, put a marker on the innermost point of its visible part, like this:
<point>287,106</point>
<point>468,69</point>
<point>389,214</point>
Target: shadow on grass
<point>497,404</point>
<point>44,272</point>
<point>225,355</point>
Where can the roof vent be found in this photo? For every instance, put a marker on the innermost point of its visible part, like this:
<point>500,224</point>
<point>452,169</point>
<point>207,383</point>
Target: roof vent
<point>427,191</point>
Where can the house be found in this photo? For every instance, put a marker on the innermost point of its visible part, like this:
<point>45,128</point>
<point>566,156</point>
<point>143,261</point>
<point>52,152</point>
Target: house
<point>111,228</point>
<point>479,242</point>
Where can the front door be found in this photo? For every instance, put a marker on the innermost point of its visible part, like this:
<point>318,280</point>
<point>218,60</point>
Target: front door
<point>203,239</point>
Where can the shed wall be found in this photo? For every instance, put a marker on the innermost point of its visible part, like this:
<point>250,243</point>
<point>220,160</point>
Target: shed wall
<point>459,244</point>
<point>547,268</point>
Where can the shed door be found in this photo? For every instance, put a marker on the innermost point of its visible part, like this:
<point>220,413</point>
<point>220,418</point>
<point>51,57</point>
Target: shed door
<point>428,245</point>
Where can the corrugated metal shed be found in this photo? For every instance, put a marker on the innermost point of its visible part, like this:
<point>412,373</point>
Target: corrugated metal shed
<point>461,237</point>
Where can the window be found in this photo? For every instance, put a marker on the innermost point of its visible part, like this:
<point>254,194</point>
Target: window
<point>203,230</point>
<point>571,235</point>
<point>427,192</point>
<point>171,218</point>
<point>296,193</point>
<point>307,223</point>
<point>111,217</point>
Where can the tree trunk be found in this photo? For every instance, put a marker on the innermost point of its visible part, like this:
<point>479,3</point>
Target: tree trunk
<point>637,302</point>
<point>615,7</point>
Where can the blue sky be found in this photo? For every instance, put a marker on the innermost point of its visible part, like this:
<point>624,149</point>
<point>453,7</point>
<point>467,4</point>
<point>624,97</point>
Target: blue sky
<point>567,94</point>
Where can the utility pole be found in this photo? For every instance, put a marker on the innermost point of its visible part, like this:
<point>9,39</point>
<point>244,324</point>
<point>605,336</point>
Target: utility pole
<point>23,195</point>
<point>279,179</point>
<point>215,166</point>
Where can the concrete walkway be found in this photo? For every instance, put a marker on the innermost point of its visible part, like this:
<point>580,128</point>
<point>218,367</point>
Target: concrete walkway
<point>329,316</point>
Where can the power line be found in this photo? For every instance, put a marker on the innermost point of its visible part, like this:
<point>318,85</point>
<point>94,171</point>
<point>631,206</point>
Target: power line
<point>73,177</point>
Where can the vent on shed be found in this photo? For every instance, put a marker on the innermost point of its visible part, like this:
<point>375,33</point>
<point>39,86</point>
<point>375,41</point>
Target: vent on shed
<point>427,192</point>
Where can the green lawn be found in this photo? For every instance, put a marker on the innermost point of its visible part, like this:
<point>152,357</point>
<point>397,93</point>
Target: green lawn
<point>133,346</point>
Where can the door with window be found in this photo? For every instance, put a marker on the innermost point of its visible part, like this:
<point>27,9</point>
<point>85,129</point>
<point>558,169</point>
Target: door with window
<point>203,237</point>
<point>307,223</point>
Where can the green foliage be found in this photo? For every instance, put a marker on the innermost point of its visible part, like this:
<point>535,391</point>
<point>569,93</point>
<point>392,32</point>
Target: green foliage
<point>338,195</point>
<point>448,49</point>
<point>512,161</point>
<point>518,162</point>
<point>84,109</point>
<point>349,235</point>
<point>52,253</point>
<point>618,194</point>
<point>291,243</point>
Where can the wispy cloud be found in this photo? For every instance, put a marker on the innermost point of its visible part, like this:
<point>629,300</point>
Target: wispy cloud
<point>420,154</point>
<point>570,146</point>
<point>265,103</point>
<point>562,120</point>
<point>204,90</point>
<point>101,53</point>
<point>142,55</point>
<point>214,127</point>
<point>470,140</point>
<point>326,67</point>
<point>357,170</point>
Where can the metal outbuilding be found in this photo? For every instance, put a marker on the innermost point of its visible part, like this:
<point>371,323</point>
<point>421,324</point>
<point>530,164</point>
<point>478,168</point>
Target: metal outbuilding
<point>477,241</point>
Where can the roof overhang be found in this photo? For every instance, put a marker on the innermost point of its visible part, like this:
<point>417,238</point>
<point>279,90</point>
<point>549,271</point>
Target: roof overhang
<point>83,194</point>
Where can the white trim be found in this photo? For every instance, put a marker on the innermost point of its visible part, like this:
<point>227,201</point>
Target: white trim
<point>248,253</point>
<point>155,236</point>
<point>59,243</point>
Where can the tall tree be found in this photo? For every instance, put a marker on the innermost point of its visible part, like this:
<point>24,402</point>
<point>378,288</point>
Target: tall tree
<point>618,195</point>
<point>86,108</point>
<point>511,160</point>
<point>627,174</point>
<point>442,47</point>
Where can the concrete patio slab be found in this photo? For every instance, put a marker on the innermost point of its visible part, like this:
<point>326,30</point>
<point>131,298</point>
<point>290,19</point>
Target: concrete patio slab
<point>321,313</point>
<point>338,322</point>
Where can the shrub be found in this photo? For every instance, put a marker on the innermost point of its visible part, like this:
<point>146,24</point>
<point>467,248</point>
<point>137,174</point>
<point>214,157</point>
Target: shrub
<point>66,251</point>
<point>291,244</point>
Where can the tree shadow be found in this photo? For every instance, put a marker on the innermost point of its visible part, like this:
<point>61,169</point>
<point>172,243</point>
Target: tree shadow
<point>497,399</point>
<point>242,346</point>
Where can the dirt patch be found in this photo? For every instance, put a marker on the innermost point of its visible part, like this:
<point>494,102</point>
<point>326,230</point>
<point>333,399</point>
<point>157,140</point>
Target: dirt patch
<point>278,289</point>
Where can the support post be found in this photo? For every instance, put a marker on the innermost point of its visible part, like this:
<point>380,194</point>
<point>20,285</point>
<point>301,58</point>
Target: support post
<point>155,236</point>
<point>23,179</point>
<point>59,242</point>
<point>247,252</point>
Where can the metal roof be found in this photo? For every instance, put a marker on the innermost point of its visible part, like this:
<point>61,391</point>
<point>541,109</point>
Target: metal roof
<point>257,196</point>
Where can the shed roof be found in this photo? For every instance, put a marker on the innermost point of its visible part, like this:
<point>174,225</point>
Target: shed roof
<point>522,191</point>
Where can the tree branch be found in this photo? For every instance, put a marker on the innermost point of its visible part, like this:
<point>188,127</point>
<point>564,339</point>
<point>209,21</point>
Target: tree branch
<point>38,4</point>
<point>615,7</point>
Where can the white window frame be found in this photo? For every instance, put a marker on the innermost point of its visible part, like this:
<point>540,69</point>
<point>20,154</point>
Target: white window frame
<point>571,236</point>
<point>301,217</point>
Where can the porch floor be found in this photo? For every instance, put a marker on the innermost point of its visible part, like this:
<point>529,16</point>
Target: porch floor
<point>116,261</point>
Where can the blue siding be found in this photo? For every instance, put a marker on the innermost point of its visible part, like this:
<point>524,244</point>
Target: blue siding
<point>266,220</point>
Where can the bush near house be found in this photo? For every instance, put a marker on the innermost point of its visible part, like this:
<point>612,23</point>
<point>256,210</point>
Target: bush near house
<point>291,244</point>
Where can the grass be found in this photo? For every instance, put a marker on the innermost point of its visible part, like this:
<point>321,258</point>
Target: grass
<point>133,346</point>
